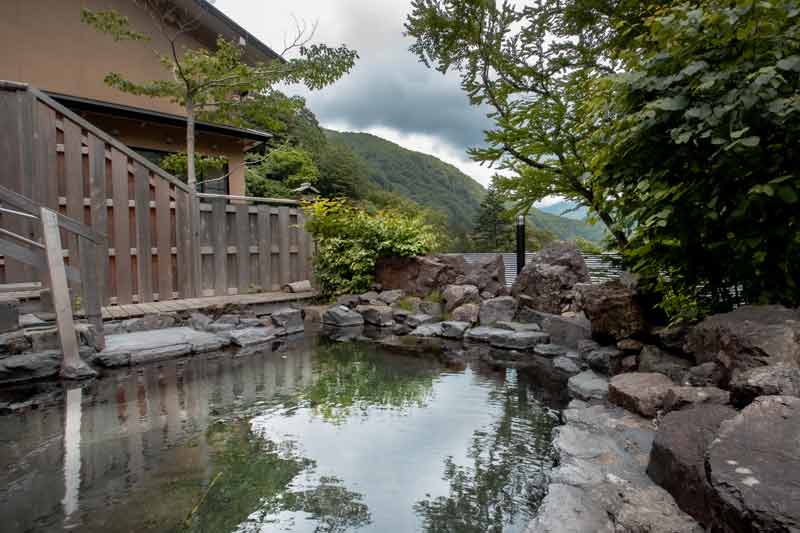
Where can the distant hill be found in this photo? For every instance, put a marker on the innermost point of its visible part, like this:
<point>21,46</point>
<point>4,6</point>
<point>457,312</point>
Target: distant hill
<point>433,183</point>
<point>566,209</point>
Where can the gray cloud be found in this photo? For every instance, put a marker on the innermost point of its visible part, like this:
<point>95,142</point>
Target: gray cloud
<point>388,87</point>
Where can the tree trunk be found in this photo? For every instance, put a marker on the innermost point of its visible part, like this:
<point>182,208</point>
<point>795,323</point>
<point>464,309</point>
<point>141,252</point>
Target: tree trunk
<point>190,170</point>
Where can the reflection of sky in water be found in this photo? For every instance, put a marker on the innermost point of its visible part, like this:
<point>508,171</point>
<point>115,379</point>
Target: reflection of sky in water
<point>393,458</point>
<point>344,437</point>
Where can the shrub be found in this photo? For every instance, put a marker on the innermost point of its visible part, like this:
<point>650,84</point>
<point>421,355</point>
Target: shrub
<point>350,241</point>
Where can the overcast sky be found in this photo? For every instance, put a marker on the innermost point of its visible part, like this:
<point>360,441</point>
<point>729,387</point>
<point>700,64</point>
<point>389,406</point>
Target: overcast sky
<point>388,93</point>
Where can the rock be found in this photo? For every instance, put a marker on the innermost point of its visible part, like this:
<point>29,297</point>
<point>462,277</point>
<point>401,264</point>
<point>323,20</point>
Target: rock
<point>481,334</point>
<point>149,322</point>
<point>14,342</point>
<point>640,392</point>
<point>419,276</point>
<point>377,315</point>
<point>501,309</point>
<point>400,315</point>
<point>314,313</point>
<point>221,327</point>
<point>677,457</point>
<point>588,386</point>
<point>653,359</point>
<point>159,353</point>
<point>342,333</point>
<point>780,379</point>
<point>43,339</point>
<point>400,329</point>
<point>754,467</point>
<point>288,319</point>
<point>549,350</point>
<point>672,337</point>
<point>9,315</point>
<point>252,336</point>
<point>566,365</point>
<point>390,297</point>
<point>453,329</point>
<point>368,298</point>
<point>750,336</point>
<point>253,322</point>
<point>517,340</point>
<point>547,280</point>
<point>30,366</point>
<point>145,346</point>
<point>489,275</point>
<point>466,313</point>
<point>630,346</point>
<point>408,303</point>
<point>681,397</point>
<point>435,309</point>
<point>457,295</point>
<point>710,374</point>
<point>628,364</point>
<point>419,319</point>
<point>584,346</point>
<point>428,330</point>
<point>199,321</point>
<point>605,360</point>
<point>517,326</point>
<point>612,309</point>
<point>564,330</point>
<point>341,316</point>
<point>348,300</point>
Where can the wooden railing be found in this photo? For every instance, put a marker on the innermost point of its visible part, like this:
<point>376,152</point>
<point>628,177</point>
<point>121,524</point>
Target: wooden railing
<point>164,240</point>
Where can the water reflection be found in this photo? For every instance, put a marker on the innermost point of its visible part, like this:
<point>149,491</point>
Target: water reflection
<point>328,438</point>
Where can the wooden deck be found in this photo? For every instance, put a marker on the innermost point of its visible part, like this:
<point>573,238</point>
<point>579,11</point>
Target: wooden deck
<point>121,312</point>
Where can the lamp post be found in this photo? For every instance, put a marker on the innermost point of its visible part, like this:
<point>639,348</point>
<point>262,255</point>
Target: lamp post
<point>520,243</point>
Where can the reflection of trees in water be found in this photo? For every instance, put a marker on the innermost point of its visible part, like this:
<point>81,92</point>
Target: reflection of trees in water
<point>351,378</point>
<point>251,486</point>
<point>506,480</point>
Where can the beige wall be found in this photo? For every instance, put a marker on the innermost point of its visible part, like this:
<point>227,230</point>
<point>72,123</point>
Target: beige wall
<point>44,43</point>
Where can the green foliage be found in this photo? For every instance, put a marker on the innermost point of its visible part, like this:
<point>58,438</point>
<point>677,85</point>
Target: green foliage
<point>682,304</point>
<point>587,247</point>
<point>698,153</point>
<point>112,23</point>
<point>494,226</point>
<point>350,240</point>
<point>290,165</point>
<point>176,164</point>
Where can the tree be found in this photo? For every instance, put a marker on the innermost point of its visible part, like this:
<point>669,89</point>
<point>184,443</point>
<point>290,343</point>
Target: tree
<point>217,80</point>
<point>531,65</point>
<point>698,151</point>
<point>494,231</point>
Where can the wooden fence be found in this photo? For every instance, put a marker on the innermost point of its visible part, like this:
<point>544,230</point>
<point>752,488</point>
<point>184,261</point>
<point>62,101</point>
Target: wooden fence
<point>164,240</point>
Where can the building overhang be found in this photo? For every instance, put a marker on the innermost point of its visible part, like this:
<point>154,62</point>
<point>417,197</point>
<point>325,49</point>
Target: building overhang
<point>146,115</point>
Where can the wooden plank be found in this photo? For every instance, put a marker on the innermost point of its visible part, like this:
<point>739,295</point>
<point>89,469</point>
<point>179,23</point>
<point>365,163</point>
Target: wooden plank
<point>302,248</point>
<point>243,247</point>
<point>33,257</point>
<point>194,250</point>
<point>163,240</point>
<point>99,210</point>
<point>122,239</point>
<point>11,173</point>
<point>264,248</point>
<point>73,182</point>
<point>283,234</point>
<point>142,213</point>
<point>115,312</point>
<point>184,243</point>
<point>90,288</point>
<point>60,293</point>
<point>219,238</point>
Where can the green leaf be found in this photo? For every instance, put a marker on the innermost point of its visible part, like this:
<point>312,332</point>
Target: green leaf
<point>674,103</point>
<point>791,63</point>
<point>750,141</point>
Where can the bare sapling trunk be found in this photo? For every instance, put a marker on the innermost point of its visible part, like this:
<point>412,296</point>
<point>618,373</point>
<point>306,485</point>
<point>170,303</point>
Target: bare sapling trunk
<point>191,177</point>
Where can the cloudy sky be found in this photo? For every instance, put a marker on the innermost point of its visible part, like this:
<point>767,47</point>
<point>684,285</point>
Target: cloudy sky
<point>389,93</point>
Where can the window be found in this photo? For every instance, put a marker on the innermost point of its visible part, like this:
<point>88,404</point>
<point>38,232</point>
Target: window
<point>212,187</point>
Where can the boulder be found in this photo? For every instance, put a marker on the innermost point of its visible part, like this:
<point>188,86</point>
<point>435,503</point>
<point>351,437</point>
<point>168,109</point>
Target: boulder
<point>568,329</point>
<point>549,350</point>
<point>672,337</point>
<point>517,326</point>
<point>314,313</point>
<point>677,457</point>
<point>30,366</point>
<point>612,309</point>
<point>199,321</point>
<point>455,296</point>
<point>408,303</point>
<point>368,298</point>
<point>653,359</point>
<point>630,346</point>
<point>13,342</point>
<point>566,365</point>
<point>481,333</point>
<point>377,315</point>
<point>489,275</point>
<point>391,296</point>
<point>419,319</point>
<point>753,466</point>
<point>419,276</point>
<point>253,336</point>
<point>639,392</point>
<point>149,322</point>
<point>605,360</point>
<point>706,374</point>
<point>780,379</point>
<point>453,329</point>
<point>400,315</point>
<point>342,316</point>
<point>433,329</point>
<point>466,313</point>
<point>547,280</point>
<point>288,319</point>
<point>682,397</point>
<point>517,340</point>
<point>433,308</point>
<point>348,300</point>
<point>750,336</point>
<point>500,309</point>
<point>9,315</point>
<point>588,386</point>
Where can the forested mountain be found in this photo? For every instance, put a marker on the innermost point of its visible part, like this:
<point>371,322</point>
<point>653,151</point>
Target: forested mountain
<point>567,228</point>
<point>566,209</point>
<point>423,178</point>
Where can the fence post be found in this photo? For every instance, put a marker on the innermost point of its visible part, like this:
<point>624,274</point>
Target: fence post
<point>520,243</point>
